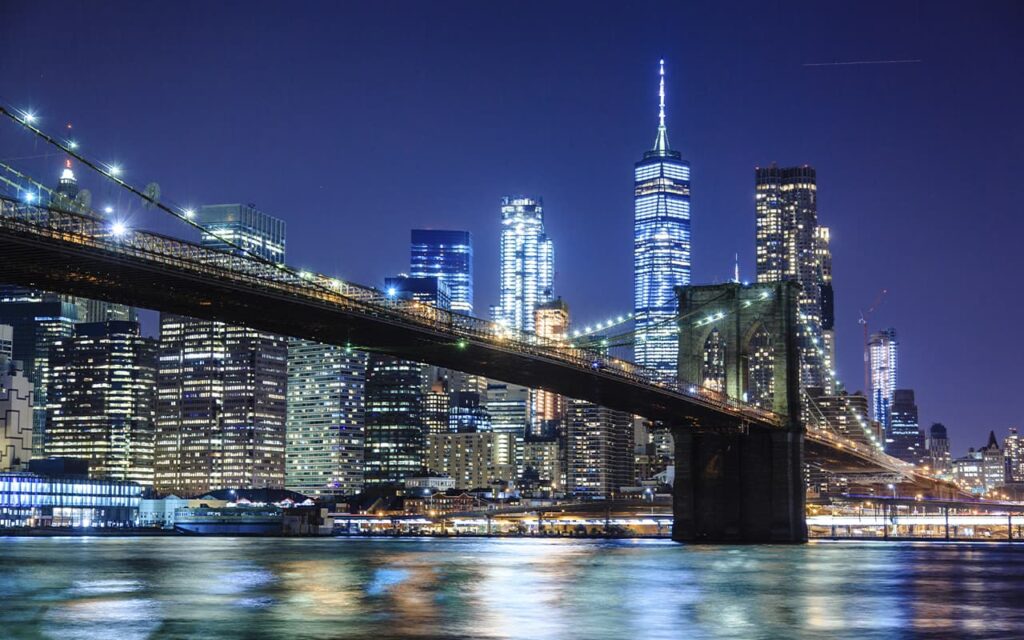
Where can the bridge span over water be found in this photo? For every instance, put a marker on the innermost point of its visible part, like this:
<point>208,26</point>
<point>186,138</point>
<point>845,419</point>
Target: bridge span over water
<point>739,466</point>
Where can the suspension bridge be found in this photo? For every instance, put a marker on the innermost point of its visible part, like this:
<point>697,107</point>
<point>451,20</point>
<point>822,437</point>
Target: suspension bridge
<point>53,244</point>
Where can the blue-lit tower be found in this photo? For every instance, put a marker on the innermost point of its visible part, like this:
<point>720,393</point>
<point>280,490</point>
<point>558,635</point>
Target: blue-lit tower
<point>661,246</point>
<point>447,256</point>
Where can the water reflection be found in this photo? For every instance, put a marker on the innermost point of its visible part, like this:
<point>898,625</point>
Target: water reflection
<point>129,588</point>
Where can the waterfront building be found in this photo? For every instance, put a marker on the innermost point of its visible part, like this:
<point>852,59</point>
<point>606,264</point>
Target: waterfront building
<point>395,426</point>
<point>938,450</point>
<point>473,460</point>
<point>905,439</point>
<point>35,500</point>
<point>100,400</point>
<point>883,357</point>
<point>15,411</point>
<point>791,246</point>
<point>325,419</point>
<point>981,471</point>
<point>527,263</point>
<point>661,247</point>
<point>221,400</point>
<point>600,450</point>
<point>448,256</point>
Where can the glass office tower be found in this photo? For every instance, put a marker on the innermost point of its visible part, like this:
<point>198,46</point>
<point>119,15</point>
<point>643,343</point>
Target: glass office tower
<point>447,256</point>
<point>661,247</point>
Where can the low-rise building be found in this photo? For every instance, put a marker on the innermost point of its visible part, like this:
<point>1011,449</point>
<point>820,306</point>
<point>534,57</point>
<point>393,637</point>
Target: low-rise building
<point>39,501</point>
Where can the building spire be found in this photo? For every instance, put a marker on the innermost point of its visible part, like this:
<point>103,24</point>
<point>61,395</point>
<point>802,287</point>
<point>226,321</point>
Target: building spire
<point>661,142</point>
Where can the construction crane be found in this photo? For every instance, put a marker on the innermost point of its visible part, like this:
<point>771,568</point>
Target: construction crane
<point>867,354</point>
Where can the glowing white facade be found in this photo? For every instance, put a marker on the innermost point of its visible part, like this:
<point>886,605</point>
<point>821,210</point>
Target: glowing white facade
<point>527,262</point>
<point>661,247</point>
<point>883,350</point>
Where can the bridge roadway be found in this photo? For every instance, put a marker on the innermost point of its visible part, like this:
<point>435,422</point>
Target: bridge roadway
<point>82,255</point>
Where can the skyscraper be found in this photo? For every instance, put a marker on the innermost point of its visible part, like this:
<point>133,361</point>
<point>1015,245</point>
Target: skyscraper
<point>1014,446</point>
<point>221,407</point>
<point>325,427</point>
<point>527,262</point>
<point>600,450</point>
<point>791,246</point>
<point>661,247</point>
<point>100,400</point>
<point>904,439</point>
<point>395,427</point>
<point>448,256</point>
<point>397,416</point>
<point>221,399</point>
<point>938,449</point>
<point>883,355</point>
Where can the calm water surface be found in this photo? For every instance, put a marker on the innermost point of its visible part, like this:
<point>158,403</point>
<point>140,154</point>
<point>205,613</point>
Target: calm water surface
<point>128,588</point>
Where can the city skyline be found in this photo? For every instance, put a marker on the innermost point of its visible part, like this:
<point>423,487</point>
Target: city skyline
<point>936,404</point>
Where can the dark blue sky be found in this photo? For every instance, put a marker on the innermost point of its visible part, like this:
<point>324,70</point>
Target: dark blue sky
<point>358,121</point>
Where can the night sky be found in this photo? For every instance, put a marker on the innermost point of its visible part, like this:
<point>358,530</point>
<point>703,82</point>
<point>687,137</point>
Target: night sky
<point>359,121</point>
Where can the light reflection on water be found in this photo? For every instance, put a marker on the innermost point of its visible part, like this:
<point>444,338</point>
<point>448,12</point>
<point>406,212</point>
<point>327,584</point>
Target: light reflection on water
<point>129,588</point>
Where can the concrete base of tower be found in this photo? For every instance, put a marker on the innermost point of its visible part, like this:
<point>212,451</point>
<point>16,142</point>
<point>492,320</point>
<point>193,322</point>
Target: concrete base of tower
<point>734,487</point>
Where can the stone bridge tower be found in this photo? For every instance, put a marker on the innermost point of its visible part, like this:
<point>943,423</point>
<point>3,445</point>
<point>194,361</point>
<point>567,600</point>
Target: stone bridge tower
<point>741,480</point>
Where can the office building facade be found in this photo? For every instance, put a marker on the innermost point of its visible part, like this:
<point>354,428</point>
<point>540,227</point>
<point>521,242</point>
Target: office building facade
<point>100,400</point>
<point>448,256</point>
<point>325,419</point>
<point>791,246</point>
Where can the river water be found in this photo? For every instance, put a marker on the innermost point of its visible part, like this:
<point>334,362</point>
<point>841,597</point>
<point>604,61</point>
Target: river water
<point>175,587</point>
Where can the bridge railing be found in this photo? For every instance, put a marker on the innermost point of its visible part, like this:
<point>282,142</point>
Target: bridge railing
<point>94,231</point>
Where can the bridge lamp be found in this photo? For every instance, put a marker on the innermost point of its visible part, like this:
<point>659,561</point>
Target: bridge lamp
<point>30,197</point>
<point>72,145</point>
<point>108,209</point>
<point>28,116</point>
<point>119,229</point>
<point>461,344</point>
<point>392,292</point>
<point>114,170</point>
<point>190,213</point>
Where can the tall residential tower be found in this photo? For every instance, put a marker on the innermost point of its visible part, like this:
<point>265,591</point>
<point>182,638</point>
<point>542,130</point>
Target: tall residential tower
<point>527,262</point>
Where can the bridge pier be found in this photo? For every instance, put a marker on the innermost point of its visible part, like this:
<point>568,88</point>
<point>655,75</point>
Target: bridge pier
<point>736,486</point>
